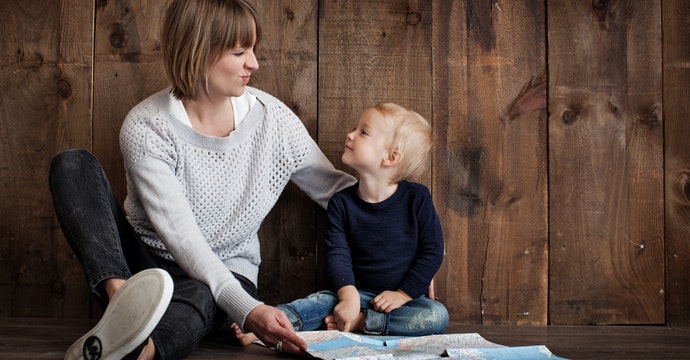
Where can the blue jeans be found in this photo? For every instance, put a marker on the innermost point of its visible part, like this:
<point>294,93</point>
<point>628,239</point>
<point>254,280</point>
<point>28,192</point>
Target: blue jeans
<point>417,317</point>
<point>103,240</point>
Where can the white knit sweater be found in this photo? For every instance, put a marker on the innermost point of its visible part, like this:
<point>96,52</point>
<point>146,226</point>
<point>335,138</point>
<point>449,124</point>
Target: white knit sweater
<point>199,200</point>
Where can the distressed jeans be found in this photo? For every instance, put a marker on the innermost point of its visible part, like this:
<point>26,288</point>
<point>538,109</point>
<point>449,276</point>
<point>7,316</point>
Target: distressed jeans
<point>418,317</point>
<point>103,240</point>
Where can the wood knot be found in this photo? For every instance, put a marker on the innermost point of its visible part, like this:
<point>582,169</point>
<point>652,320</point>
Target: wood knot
<point>681,186</point>
<point>117,36</point>
<point>601,9</point>
<point>64,88</point>
<point>413,18</point>
<point>58,289</point>
<point>569,116</point>
<point>649,119</point>
<point>600,5</point>
<point>290,14</point>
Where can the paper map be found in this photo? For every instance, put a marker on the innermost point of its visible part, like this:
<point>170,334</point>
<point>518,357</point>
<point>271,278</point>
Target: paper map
<point>336,345</point>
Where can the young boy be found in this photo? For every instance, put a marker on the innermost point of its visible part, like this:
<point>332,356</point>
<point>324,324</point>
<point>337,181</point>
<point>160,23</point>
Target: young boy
<point>384,242</point>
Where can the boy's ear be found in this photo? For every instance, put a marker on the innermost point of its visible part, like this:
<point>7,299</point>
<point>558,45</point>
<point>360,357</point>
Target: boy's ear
<point>393,158</point>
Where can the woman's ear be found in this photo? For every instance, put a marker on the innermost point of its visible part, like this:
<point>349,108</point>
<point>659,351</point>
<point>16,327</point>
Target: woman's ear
<point>393,158</point>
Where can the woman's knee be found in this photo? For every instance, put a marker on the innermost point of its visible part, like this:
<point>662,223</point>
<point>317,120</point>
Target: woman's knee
<point>72,159</point>
<point>69,163</point>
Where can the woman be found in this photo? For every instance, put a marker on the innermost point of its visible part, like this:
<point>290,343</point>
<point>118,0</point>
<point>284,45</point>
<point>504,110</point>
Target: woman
<point>206,159</point>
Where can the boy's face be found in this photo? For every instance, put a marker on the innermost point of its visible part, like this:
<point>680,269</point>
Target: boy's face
<point>368,144</point>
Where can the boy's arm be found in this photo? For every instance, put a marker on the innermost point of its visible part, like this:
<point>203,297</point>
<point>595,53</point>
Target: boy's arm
<point>346,313</point>
<point>429,254</point>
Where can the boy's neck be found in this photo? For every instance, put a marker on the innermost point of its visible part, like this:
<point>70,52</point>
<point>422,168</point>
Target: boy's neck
<point>376,190</point>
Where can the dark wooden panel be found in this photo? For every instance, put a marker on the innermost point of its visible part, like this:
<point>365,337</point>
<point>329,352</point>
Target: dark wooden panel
<point>490,159</point>
<point>370,52</point>
<point>676,55</point>
<point>605,163</point>
<point>127,69</point>
<point>287,59</point>
<point>45,107</point>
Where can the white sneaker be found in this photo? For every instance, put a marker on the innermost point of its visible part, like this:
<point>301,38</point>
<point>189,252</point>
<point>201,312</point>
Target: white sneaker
<point>129,318</point>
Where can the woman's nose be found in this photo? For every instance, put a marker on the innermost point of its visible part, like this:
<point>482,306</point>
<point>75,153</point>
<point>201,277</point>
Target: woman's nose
<point>252,63</point>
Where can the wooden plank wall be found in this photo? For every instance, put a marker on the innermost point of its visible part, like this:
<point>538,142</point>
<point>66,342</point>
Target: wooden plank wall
<point>560,168</point>
<point>605,163</point>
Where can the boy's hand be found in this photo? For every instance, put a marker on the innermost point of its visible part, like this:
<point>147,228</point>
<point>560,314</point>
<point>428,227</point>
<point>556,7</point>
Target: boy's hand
<point>388,301</point>
<point>346,313</point>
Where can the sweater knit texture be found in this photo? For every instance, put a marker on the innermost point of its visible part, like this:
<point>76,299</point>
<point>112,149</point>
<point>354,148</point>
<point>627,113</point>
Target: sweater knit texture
<point>200,200</point>
<point>393,244</point>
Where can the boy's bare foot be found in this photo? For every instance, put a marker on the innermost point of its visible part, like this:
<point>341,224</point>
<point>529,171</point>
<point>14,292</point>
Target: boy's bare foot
<point>357,327</point>
<point>242,338</point>
<point>148,352</point>
<point>330,322</point>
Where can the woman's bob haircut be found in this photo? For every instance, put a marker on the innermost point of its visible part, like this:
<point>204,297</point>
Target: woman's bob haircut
<point>196,33</point>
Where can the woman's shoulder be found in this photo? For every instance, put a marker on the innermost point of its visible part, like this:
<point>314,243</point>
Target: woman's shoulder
<point>150,116</point>
<point>153,104</point>
<point>265,98</point>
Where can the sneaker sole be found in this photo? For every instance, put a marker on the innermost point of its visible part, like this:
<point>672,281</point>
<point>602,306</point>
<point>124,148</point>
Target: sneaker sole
<point>129,318</point>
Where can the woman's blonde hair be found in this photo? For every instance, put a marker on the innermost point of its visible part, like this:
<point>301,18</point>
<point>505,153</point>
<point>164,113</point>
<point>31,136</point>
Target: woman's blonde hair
<point>411,138</point>
<point>196,33</point>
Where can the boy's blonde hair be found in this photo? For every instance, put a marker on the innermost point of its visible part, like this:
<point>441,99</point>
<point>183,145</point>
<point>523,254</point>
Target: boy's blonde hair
<point>196,33</point>
<point>411,138</point>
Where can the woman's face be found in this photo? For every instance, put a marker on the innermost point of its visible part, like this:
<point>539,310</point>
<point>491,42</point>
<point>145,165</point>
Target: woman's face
<point>231,73</point>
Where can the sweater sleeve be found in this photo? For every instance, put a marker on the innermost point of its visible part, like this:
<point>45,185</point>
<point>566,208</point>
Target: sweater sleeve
<point>318,178</point>
<point>338,255</point>
<point>429,255</point>
<point>168,210</point>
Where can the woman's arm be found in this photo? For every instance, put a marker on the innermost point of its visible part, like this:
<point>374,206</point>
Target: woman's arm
<point>167,208</point>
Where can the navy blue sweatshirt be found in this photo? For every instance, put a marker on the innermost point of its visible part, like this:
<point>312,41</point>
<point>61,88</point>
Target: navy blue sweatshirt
<point>390,245</point>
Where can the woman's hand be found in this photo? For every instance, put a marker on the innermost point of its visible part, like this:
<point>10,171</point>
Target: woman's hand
<point>273,328</point>
<point>388,301</point>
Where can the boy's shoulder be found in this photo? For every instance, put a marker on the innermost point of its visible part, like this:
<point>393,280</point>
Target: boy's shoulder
<point>414,187</point>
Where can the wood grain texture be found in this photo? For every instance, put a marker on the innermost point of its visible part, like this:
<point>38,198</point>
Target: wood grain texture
<point>490,160</point>
<point>605,163</point>
<point>127,69</point>
<point>587,202</point>
<point>287,57</point>
<point>676,55</point>
<point>45,107</point>
<point>370,52</point>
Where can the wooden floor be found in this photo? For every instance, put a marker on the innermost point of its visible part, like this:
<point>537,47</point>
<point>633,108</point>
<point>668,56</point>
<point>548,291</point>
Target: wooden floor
<point>22,338</point>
